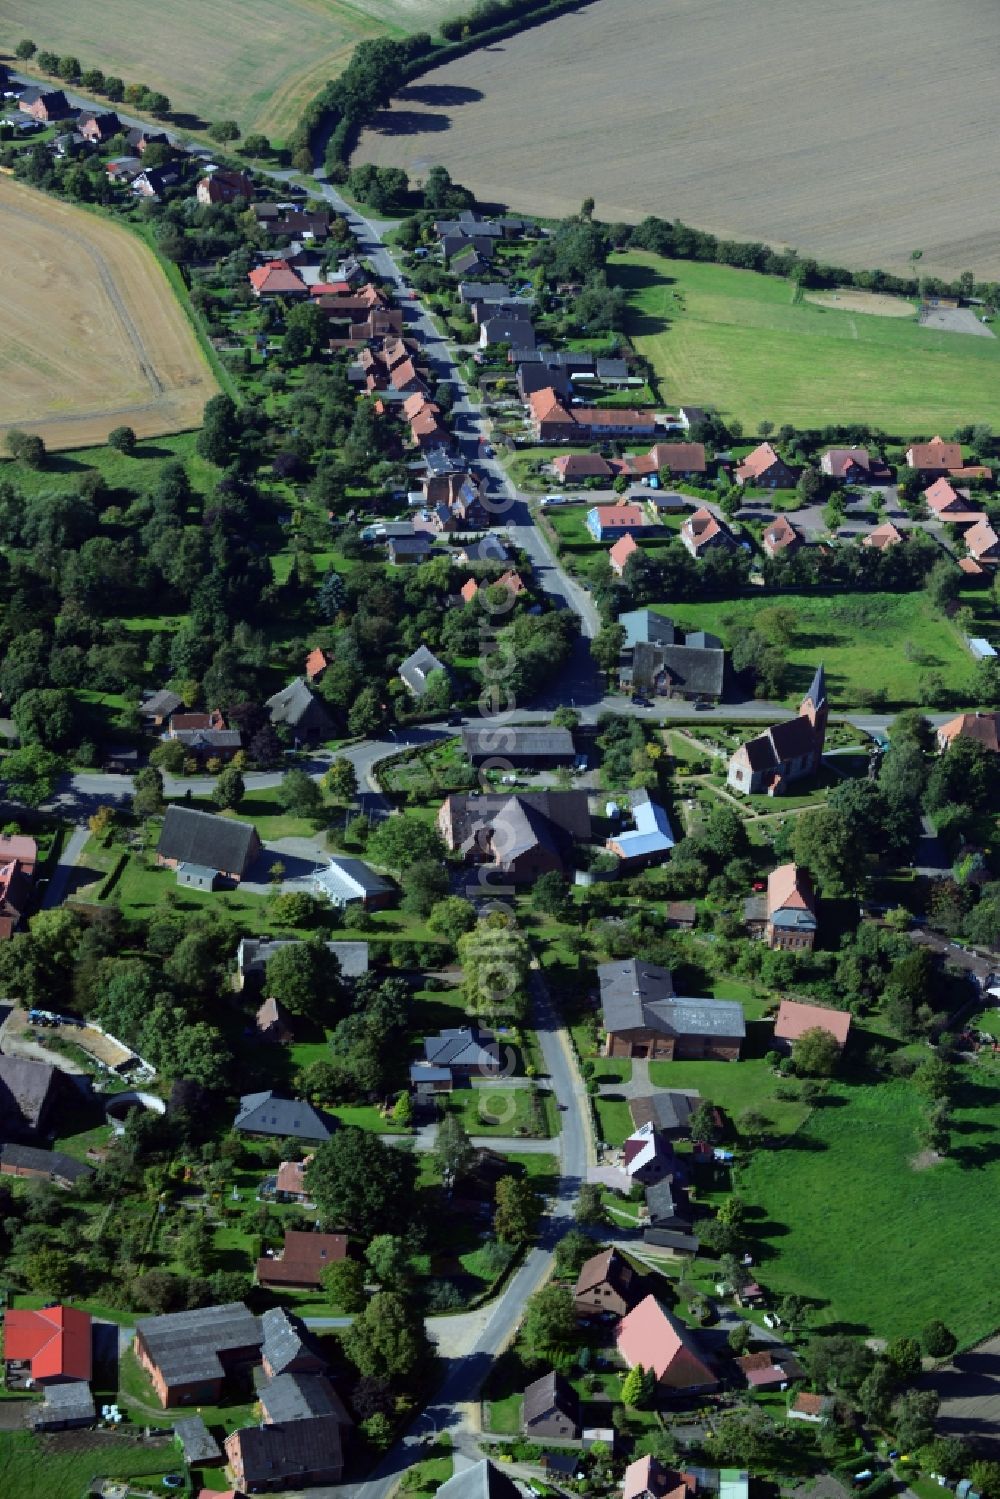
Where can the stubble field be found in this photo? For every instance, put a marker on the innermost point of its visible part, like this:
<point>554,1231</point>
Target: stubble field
<point>93,336</point>
<point>257,62</point>
<point>857,131</point>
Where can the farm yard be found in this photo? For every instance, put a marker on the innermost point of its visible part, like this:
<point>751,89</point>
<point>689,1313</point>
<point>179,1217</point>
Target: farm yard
<point>741,342</point>
<point>259,62</point>
<point>657,109</point>
<point>93,334</point>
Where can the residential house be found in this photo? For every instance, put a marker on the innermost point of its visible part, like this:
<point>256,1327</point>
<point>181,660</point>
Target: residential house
<point>624,548</point>
<point>15,895</point>
<point>764,468</point>
<point>646,1156</point>
<point>786,753</point>
<point>983,543</point>
<point>224,186</point>
<point>853,466</point>
<point>605,522</point>
<point>456,1056</point>
<point>416,670</point>
<point>506,329</point>
<point>407,551</point>
<point>643,1017</point>
<point>29,1094</point>
<point>140,136</point>
<point>667,1110</point>
<point>254,954</point>
<point>44,104</point>
<point>647,627</point>
<point>276,278</point>
<point>607,1282</point>
<point>502,746</point>
<point>789,910</point>
<point>287,1347</point>
<point>649,1336</point>
<point>272,1114</point>
<point>301,1262</point>
<point>189,1355</point>
<point>884,536</point>
<point>682,460</point>
<point>206,744</point>
<point>286,1455</point>
<point>571,468</point>
<point>302,712</point>
<point>274,1023</point>
<point>157,708</point>
<point>934,458</point>
<point>487,549</point>
<point>687,669</point>
<point>769,1370</point>
<point>52,1345</point>
<point>812,1408</point>
<point>951,504</point>
<point>201,840</point>
<point>794,1019</point>
<point>471,262</point>
<point>347,882</point>
<point>666,1209</point>
<point>691,416</point>
<point>979,728</point>
<point>482,1480</point>
<point>519,836</point>
<point>782,538</point>
<point>152,181</point>
<point>317,664</point>
<point>65,1407</point>
<point>612,421</point>
<point>296,223</point>
<point>649,839</point>
<point>551,421</point>
<point>703,530</point>
<point>42,1165</point>
<point>647,1478</point>
<point>550,1409</point>
<point>198,1446</point>
<point>98,126</point>
<point>290,1182</point>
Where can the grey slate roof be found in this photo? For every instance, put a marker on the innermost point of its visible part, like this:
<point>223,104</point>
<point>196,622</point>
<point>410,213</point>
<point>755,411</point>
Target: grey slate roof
<point>486,741</point>
<point>253,953</point>
<point>647,626</point>
<point>298,1397</point>
<point>185,1346</point>
<point>197,1443</point>
<point>296,706</point>
<point>669,1111</point>
<point>293,1451</point>
<point>193,837</point>
<point>489,548</point>
<point>160,704</point>
<point>293,1118</point>
<point>693,670</point>
<point>30,1158</point>
<point>285,1338</point>
<point>465,1047</point>
<point>551,1393</point>
<point>482,1481</point>
<point>702,640</point>
<point>71,1401</point>
<point>639,996</point>
<point>415,670</point>
<point>26,1088</point>
<point>567,811</point>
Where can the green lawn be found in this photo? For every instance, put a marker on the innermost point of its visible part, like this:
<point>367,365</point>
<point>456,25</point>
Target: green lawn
<point>500,1110</point>
<point>614,1118</point>
<point>887,640</point>
<point>883,1246</point>
<point>733,1086</point>
<point>742,343</point>
<point>47,1467</point>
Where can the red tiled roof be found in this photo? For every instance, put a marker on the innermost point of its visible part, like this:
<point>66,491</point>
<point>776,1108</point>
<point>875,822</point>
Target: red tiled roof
<point>611,416</point>
<point>788,886</point>
<point>942,495</point>
<point>935,454</point>
<point>56,1340</point>
<point>701,527</point>
<point>885,535</point>
<point>650,1336</point>
<point>277,276</point>
<point>291,1176</point>
<point>545,406</point>
<point>794,1019</point>
<point>622,550</point>
<point>984,728</point>
<point>317,662</point>
<point>304,1256</point>
<point>981,538</point>
<point>758,462</point>
<point>620,515</point>
<point>581,466</point>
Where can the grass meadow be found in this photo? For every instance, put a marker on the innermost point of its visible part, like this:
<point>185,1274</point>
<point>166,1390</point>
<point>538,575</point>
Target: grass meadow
<point>847,1219</point>
<point>742,343</point>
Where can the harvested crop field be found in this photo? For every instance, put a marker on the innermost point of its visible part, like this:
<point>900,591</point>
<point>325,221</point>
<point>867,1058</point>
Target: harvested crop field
<point>94,337</point>
<point>258,62</point>
<point>857,131</point>
<point>745,344</point>
<point>873,303</point>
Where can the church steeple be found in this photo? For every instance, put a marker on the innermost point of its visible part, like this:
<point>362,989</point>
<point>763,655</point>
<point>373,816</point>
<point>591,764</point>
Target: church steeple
<point>814,707</point>
<point>817,692</point>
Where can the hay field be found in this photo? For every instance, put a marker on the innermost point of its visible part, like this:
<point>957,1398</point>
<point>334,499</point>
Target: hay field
<point>872,303</point>
<point>93,336</point>
<point>257,61</point>
<point>858,131</point>
<point>743,343</point>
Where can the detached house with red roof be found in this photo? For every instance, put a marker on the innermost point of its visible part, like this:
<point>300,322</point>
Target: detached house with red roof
<point>934,458</point>
<point>794,1019</point>
<point>981,728</point>
<point>764,468</point>
<point>647,1478</point>
<point>622,550</point>
<point>276,279</point>
<point>49,1346</point>
<point>551,421</point>
<point>605,522</point>
<point>790,910</point>
<point>853,466</point>
<point>782,538</point>
<point>702,530</point>
<point>223,186</point>
<point>788,752</point>
<point>650,1336</point>
<point>983,543</point>
<point>950,504</point>
<point>884,536</point>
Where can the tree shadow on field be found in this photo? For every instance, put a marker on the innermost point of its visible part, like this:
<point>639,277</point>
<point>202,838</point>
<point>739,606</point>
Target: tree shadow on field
<point>181,120</point>
<point>150,450</point>
<point>636,279</point>
<point>443,95</point>
<point>59,463</point>
<point>408,122</point>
